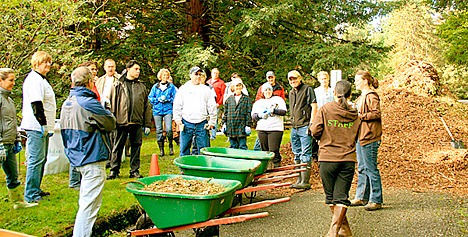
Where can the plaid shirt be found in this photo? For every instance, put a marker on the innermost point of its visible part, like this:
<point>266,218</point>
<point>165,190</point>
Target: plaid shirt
<point>237,116</point>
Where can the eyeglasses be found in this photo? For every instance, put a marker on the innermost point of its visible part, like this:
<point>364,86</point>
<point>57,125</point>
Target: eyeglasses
<point>292,78</point>
<point>198,74</point>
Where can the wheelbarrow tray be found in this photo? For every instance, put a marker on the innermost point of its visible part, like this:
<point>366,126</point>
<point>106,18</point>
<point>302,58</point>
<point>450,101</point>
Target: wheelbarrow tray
<point>263,156</point>
<point>218,167</point>
<point>171,209</point>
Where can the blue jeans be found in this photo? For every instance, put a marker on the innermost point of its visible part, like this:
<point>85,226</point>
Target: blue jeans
<point>369,185</point>
<point>158,121</point>
<point>36,149</point>
<point>194,131</point>
<point>74,180</point>
<point>238,143</point>
<point>10,166</point>
<point>90,201</point>
<point>215,128</point>
<point>301,144</point>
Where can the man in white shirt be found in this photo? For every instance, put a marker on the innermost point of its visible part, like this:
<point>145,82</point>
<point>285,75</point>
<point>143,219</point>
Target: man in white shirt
<point>39,111</point>
<point>195,112</point>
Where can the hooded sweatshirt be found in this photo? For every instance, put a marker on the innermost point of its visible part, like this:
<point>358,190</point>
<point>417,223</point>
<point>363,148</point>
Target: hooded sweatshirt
<point>337,130</point>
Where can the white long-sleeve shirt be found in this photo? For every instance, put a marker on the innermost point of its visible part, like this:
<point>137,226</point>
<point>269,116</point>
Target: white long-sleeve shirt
<point>194,104</point>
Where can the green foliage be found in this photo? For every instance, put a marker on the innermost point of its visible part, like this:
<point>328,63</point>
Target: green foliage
<point>454,34</point>
<point>29,26</point>
<point>286,35</point>
<point>189,55</point>
<point>447,4</point>
<point>456,78</point>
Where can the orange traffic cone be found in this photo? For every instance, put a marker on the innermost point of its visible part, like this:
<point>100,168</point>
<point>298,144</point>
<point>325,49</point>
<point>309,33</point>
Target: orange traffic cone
<point>154,166</point>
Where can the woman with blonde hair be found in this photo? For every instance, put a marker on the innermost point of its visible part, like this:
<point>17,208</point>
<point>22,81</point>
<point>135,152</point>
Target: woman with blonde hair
<point>369,185</point>
<point>161,98</point>
<point>39,113</point>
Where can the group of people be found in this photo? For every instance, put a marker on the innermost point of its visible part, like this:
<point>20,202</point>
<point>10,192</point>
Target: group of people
<point>102,112</point>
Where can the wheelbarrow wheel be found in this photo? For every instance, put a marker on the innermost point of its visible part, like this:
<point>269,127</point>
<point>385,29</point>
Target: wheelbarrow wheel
<point>144,222</point>
<point>209,231</point>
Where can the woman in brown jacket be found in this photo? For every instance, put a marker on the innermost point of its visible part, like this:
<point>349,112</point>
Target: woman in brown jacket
<point>369,186</point>
<point>336,127</point>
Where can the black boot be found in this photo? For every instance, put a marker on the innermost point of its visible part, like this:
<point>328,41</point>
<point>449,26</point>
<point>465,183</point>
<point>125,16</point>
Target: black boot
<point>171,146</point>
<point>299,178</point>
<point>161,148</point>
<point>305,178</point>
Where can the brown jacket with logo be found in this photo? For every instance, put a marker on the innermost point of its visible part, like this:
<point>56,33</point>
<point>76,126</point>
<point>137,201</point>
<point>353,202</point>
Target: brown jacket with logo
<point>368,106</point>
<point>337,130</point>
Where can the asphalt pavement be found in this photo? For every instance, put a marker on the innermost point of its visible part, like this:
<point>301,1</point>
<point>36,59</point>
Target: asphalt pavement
<point>405,213</point>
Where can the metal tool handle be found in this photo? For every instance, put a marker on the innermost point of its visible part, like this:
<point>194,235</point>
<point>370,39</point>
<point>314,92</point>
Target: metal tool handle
<point>447,128</point>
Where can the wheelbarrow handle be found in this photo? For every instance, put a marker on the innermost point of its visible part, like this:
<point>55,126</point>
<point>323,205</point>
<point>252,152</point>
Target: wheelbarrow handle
<point>447,128</point>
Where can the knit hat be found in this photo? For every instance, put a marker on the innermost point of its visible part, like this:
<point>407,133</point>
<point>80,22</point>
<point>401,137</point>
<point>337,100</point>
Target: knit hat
<point>267,86</point>
<point>237,81</point>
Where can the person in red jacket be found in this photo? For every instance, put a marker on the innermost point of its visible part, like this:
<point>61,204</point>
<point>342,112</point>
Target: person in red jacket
<point>278,90</point>
<point>219,87</point>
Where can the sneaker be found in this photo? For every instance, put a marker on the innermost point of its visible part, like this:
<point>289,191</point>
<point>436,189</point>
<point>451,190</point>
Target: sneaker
<point>358,202</point>
<point>75,187</point>
<point>373,206</point>
<point>43,194</point>
<point>24,205</point>
<point>135,175</point>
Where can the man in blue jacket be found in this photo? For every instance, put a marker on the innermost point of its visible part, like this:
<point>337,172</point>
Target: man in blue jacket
<point>85,125</point>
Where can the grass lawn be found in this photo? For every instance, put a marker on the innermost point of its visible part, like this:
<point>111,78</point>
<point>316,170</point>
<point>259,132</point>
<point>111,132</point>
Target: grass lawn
<point>56,214</point>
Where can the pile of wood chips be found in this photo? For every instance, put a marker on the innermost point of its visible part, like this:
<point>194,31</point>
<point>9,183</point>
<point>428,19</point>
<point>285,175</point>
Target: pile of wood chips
<point>180,185</point>
<point>415,153</point>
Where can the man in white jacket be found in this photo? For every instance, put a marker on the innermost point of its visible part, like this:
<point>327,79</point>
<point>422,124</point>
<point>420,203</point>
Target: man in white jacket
<point>195,112</point>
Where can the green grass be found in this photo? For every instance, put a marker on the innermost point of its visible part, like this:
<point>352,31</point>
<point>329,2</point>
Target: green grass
<point>56,214</point>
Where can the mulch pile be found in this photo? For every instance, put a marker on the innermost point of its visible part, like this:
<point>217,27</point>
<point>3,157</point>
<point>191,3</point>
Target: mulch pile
<point>415,153</point>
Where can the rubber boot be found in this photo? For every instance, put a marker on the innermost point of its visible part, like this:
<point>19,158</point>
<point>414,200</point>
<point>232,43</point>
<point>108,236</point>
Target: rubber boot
<point>345,230</point>
<point>171,147</point>
<point>339,213</point>
<point>17,198</point>
<point>299,178</point>
<point>161,148</point>
<point>305,178</point>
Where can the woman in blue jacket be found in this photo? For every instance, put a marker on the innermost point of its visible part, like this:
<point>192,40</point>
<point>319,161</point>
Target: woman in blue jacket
<point>161,98</point>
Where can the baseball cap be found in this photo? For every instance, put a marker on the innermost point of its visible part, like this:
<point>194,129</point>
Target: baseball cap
<point>194,69</point>
<point>270,74</point>
<point>294,73</point>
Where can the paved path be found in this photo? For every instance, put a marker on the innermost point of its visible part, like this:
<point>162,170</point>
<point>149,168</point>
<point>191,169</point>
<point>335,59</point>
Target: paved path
<point>405,214</point>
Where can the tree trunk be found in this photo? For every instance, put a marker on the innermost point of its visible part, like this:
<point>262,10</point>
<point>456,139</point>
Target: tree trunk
<point>197,20</point>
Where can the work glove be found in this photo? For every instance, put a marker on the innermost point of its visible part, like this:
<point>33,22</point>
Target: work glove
<point>17,148</point>
<point>106,103</point>
<point>270,112</point>
<point>264,114</point>
<point>162,99</point>
<point>2,153</point>
<point>146,131</point>
<point>223,128</point>
<point>248,130</point>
